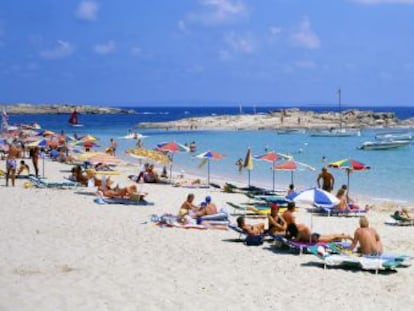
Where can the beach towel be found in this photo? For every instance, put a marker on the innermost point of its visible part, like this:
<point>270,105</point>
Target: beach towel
<point>325,211</point>
<point>169,220</point>
<point>41,183</point>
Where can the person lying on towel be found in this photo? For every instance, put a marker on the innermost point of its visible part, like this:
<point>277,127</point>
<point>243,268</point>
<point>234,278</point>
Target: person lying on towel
<point>256,229</point>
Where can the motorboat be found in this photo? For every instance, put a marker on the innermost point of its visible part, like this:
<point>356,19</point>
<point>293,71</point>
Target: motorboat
<point>335,132</point>
<point>384,144</point>
<point>394,136</point>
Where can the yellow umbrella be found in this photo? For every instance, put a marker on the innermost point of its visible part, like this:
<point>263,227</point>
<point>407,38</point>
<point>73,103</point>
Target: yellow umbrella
<point>149,154</point>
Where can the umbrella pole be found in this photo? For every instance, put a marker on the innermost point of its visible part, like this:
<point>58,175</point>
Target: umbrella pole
<point>172,158</point>
<point>43,165</point>
<point>291,177</point>
<point>248,178</point>
<point>348,172</point>
<point>273,187</point>
<point>208,171</point>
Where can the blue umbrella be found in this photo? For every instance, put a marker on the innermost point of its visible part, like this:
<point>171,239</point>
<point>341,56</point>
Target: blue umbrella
<point>314,196</point>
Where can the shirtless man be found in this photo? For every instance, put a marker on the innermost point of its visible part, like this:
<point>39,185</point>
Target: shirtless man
<point>11,164</point>
<point>328,180</point>
<point>209,208</point>
<point>368,239</point>
<point>256,229</point>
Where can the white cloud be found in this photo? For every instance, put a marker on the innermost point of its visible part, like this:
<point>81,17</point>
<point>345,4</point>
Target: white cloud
<point>242,44</point>
<point>61,50</point>
<point>87,10</point>
<point>215,12</point>
<point>105,48</point>
<point>305,37</point>
<point>373,2</point>
<point>274,31</point>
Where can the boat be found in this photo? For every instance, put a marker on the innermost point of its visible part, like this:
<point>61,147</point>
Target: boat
<point>394,136</point>
<point>74,119</point>
<point>384,144</point>
<point>336,132</point>
<point>133,136</point>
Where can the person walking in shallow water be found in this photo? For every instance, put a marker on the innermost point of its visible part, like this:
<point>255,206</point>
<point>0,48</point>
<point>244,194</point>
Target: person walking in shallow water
<point>327,178</point>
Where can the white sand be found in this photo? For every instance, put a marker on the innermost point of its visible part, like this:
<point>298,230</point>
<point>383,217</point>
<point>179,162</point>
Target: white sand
<point>61,251</point>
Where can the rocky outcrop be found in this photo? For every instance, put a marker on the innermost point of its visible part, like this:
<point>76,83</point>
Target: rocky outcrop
<point>285,119</point>
<point>62,109</point>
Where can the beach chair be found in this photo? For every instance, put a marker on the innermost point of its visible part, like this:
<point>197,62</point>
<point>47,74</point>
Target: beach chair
<point>332,255</point>
<point>123,201</point>
<point>400,220</point>
<point>327,211</point>
<point>41,183</point>
<point>299,247</point>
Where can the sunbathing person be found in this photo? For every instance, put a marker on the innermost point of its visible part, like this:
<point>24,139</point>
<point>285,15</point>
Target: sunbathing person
<point>277,224</point>
<point>288,214</point>
<point>302,233</point>
<point>188,207</point>
<point>209,208</point>
<point>123,193</point>
<point>368,239</point>
<point>404,214</point>
<point>256,229</point>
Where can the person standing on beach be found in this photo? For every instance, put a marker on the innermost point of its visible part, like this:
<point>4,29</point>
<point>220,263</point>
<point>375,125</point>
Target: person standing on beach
<point>11,164</point>
<point>328,180</point>
<point>113,146</point>
<point>34,154</point>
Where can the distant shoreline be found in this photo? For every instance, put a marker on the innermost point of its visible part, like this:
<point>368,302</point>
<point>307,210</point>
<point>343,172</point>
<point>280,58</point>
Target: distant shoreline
<point>62,109</point>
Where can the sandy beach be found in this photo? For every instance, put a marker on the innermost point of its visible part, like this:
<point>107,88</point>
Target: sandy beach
<point>62,251</point>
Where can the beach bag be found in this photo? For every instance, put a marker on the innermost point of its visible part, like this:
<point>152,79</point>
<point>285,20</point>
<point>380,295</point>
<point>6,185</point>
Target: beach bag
<point>254,240</point>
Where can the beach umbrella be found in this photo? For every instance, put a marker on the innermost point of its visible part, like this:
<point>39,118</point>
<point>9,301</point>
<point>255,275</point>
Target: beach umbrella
<point>38,143</point>
<point>209,155</point>
<point>88,138</point>
<point>102,157</point>
<point>269,157</point>
<point>314,196</point>
<point>349,165</point>
<point>172,147</point>
<point>248,164</point>
<point>292,166</point>
<point>149,154</point>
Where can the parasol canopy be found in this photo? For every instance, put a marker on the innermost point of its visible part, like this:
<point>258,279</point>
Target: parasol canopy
<point>314,196</point>
<point>349,165</point>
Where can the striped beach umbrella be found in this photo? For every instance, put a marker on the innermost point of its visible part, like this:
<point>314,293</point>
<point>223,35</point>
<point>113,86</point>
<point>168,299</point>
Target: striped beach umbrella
<point>349,165</point>
<point>172,147</point>
<point>209,155</point>
<point>314,196</point>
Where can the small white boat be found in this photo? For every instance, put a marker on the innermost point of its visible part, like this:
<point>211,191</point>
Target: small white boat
<point>335,132</point>
<point>394,136</point>
<point>384,144</point>
<point>133,136</point>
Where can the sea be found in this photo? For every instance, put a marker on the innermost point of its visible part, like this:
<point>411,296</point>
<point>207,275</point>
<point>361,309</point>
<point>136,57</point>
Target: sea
<point>390,177</point>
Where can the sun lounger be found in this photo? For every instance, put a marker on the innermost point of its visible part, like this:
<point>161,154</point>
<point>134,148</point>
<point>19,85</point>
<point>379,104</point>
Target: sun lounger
<point>332,255</point>
<point>325,211</point>
<point>41,183</point>
<point>399,220</point>
<point>249,208</point>
<point>300,247</point>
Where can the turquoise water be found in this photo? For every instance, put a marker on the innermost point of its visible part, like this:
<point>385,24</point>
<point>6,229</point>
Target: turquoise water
<point>390,177</point>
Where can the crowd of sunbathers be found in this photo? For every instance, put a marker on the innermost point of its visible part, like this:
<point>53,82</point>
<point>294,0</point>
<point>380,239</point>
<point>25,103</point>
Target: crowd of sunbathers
<point>366,237</point>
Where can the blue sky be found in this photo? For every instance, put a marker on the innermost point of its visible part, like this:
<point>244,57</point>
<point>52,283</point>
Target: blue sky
<point>204,52</point>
